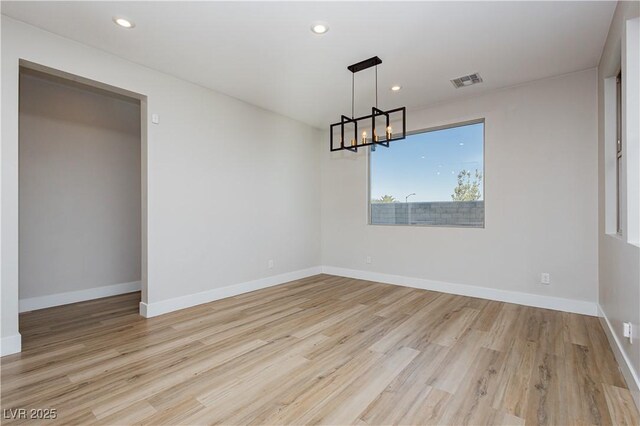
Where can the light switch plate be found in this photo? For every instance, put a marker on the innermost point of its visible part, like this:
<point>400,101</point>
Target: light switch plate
<point>545,278</point>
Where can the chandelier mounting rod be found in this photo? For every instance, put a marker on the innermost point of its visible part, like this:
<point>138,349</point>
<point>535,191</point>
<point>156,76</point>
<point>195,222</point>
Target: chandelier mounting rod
<point>360,66</point>
<point>376,86</point>
<point>353,81</point>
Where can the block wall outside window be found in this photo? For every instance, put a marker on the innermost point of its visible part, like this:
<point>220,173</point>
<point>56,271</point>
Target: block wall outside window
<point>434,177</point>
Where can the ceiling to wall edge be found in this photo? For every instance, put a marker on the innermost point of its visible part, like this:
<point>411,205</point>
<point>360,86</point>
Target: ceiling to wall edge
<point>143,98</point>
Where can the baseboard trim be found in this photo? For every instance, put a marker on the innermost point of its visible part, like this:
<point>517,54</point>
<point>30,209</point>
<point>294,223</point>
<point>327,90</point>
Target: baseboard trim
<point>149,310</point>
<point>527,299</point>
<point>626,367</point>
<point>35,303</point>
<point>10,344</point>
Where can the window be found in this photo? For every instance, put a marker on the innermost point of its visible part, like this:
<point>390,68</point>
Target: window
<point>433,177</point>
<point>618,151</point>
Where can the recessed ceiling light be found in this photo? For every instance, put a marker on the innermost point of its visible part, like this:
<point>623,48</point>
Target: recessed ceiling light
<point>461,143</point>
<point>125,23</point>
<point>396,88</point>
<point>319,28</point>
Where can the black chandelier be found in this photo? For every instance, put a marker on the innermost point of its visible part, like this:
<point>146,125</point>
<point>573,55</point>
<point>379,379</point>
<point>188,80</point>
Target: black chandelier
<point>376,120</point>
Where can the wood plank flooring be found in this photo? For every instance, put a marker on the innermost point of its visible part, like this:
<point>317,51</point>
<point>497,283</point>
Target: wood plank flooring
<point>322,350</point>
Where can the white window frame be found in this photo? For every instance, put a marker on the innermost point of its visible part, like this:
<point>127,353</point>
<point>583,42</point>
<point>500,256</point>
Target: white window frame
<point>427,130</point>
<point>630,58</point>
<point>619,160</point>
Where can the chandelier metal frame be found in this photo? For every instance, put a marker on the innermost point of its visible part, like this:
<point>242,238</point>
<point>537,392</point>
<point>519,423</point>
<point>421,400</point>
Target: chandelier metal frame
<point>375,138</point>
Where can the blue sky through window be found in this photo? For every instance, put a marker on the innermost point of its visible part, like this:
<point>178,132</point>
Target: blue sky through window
<point>427,163</point>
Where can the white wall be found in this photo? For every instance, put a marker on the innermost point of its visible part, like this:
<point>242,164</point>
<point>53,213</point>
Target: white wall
<point>229,185</point>
<point>540,200</point>
<point>80,180</point>
<point>619,261</point>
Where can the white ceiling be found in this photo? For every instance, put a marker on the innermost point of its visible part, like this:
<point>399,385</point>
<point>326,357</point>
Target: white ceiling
<point>265,54</point>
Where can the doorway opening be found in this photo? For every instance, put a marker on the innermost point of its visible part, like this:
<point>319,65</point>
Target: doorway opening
<point>82,192</point>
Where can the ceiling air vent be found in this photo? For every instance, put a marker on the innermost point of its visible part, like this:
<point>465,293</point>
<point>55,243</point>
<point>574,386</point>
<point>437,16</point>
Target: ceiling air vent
<point>466,80</point>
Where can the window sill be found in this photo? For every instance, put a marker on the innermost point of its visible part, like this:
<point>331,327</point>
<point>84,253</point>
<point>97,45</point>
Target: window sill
<point>428,225</point>
<point>620,237</point>
<point>615,236</point>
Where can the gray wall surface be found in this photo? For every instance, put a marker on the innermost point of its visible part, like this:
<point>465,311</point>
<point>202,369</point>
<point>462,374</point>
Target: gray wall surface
<point>540,208</point>
<point>618,259</point>
<point>440,213</point>
<point>79,188</point>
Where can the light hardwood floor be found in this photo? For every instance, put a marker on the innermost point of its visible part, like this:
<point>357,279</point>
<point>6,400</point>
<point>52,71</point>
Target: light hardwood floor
<point>324,350</point>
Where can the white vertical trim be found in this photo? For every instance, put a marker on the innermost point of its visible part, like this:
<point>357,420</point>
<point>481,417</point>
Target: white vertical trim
<point>631,127</point>
<point>610,156</point>
<point>48,301</point>
<point>626,367</point>
<point>10,344</point>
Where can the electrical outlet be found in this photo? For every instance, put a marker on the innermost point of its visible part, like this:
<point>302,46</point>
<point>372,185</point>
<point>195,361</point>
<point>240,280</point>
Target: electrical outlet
<point>627,331</point>
<point>270,264</point>
<point>545,278</point>
<point>368,259</point>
